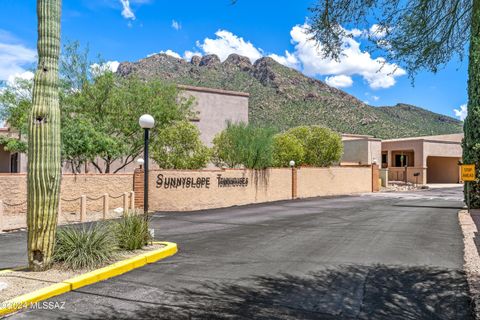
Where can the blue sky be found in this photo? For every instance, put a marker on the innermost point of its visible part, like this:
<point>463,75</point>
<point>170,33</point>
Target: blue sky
<point>122,30</point>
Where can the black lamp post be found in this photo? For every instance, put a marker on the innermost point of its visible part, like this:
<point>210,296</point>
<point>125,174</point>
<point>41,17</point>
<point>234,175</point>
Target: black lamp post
<point>146,122</point>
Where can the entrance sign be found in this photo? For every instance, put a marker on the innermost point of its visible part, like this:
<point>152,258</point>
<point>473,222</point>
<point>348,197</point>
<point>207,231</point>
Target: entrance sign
<point>468,172</point>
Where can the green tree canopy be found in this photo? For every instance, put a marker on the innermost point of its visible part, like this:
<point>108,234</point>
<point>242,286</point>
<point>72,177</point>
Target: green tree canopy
<point>178,146</point>
<point>99,111</point>
<point>322,146</point>
<point>243,145</point>
<point>287,147</point>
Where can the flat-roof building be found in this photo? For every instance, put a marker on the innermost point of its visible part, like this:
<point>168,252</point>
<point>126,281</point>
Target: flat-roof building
<point>427,159</point>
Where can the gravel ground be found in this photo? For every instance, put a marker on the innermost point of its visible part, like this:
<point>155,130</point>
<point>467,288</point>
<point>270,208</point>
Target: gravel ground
<point>469,223</point>
<point>16,283</point>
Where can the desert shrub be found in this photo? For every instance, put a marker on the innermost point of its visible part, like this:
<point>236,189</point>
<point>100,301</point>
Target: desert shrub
<point>323,147</point>
<point>287,147</point>
<point>84,246</point>
<point>243,145</point>
<point>178,146</point>
<point>131,232</point>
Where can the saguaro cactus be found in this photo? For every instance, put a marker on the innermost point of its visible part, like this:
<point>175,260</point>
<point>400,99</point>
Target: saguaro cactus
<point>44,163</point>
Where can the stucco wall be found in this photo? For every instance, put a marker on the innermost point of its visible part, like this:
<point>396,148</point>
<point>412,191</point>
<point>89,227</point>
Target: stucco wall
<point>314,182</point>
<point>355,151</point>
<point>398,174</point>
<point>271,185</point>
<point>361,150</point>
<point>13,190</point>
<point>405,145</point>
<point>262,186</point>
<point>215,109</point>
<point>443,170</point>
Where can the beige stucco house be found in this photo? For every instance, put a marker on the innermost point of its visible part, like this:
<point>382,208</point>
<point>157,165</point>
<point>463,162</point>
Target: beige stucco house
<point>428,159</point>
<point>213,107</point>
<point>361,149</point>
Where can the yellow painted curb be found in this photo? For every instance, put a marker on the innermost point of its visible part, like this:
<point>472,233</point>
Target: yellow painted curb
<point>85,279</point>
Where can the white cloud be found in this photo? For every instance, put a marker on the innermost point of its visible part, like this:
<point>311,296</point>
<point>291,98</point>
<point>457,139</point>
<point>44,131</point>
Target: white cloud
<point>377,32</point>
<point>227,43</point>
<point>307,57</point>
<point>462,112</point>
<point>127,11</point>
<point>340,81</point>
<point>14,58</point>
<point>98,69</point>
<point>168,53</point>
<point>375,98</point>
<point>377,72</point>
<point>176,25</point>
<point>189,54</point>
<point>13,79</point>
<point>289,60</point>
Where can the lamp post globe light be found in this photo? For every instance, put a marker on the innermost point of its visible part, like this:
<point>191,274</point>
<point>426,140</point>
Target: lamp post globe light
<point>140,162</point>
<point>292,163</point>
<point>147,122</point>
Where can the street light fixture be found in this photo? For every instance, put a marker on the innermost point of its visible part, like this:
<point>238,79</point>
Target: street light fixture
<point>292,163</point>
<point>147,122</point>
<point>140,162</point>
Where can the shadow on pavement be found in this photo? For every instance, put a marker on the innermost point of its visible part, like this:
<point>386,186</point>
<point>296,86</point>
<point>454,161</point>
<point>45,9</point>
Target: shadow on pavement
<point>344,292</point>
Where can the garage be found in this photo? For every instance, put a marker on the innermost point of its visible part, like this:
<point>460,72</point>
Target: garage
<point>442,170</point>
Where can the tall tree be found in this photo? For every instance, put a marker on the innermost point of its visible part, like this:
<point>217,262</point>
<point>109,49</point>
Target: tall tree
<point>44,163</point>
<point>419,34</point>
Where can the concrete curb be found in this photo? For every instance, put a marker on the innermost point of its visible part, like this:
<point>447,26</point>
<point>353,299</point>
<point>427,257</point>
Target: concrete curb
<point>115,269</point>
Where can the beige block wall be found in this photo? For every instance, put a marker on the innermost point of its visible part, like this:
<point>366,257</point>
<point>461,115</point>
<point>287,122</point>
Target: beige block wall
<point>262,186</point>
<point>272,185</point>
<point>13,190</point>
<point>314,182</point>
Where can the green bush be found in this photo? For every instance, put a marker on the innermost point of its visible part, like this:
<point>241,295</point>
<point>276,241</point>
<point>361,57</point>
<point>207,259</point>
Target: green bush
<point>287,147</point>
<point>323,147</point>
<point>243,145</point>
<point>132,232</point>
<point>178,146</point>
<point>84,247</point>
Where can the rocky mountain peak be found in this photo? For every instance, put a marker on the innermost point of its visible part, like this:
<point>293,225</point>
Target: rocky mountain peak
<point>209,60</point>
<point>196,60</point>
<point>238,61</point>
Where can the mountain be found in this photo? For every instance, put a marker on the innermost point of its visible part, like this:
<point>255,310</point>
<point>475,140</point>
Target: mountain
<point>283,97</point>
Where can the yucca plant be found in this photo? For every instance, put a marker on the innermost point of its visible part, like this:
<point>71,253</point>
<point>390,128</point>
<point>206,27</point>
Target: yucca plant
<point>84,247</point>
<point>132,232</point>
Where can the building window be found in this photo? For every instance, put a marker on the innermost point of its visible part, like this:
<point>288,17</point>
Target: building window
<point>14,163</point>
<point>384,158</point>
<point>401,160</point>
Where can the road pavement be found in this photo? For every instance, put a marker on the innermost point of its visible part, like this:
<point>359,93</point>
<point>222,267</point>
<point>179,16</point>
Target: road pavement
<point>372,256</point>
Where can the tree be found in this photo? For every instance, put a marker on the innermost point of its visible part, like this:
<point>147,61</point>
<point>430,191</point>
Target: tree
<point>419,34</point>
<point>244,145</point>
<point>178,146</point>
<point>99,111</point>
<point>44,163</point>
<point>287,147</point>
<point>323,147</point>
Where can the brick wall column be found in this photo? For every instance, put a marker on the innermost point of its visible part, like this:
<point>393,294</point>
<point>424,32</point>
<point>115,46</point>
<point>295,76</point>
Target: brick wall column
<point>138,187</point>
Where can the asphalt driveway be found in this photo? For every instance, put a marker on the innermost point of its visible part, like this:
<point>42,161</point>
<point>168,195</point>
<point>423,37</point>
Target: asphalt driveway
<point>380,256</point>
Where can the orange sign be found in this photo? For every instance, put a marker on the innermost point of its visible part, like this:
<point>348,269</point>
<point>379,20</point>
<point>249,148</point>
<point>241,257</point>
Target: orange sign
<point>468,172</point>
